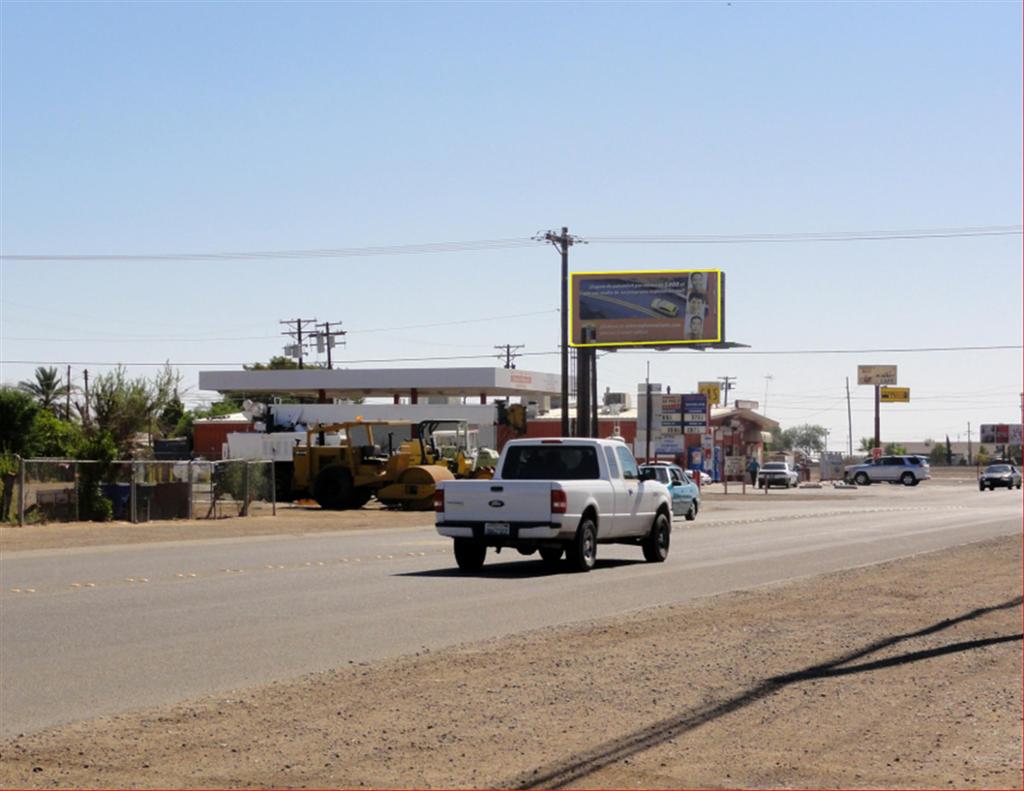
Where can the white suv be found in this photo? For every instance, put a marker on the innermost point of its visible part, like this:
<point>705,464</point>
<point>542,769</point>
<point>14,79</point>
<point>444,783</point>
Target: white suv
<point>908,470</point>
<point>776,473</point>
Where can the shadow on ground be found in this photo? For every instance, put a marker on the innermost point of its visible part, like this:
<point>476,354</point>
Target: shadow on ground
<point>559,775</point>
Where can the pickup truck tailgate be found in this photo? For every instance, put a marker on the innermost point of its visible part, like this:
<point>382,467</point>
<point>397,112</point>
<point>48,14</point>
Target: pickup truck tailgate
<point>497,501</point>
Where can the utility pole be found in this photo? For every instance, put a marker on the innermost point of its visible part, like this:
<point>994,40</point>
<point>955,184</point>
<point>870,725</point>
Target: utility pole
<point>767,378</point>
<point>325,339</point>
<point>970,449</point>
<point>85,417</point>
<point>849,414</point>
<point>67,398</point>
<point>878,418</point>
<point>510,354</point>
<point>728,383</point>
<point>563,241</point>
<point>647,427</point>
<point>294,331</point>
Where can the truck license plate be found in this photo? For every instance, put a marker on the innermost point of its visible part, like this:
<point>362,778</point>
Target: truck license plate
<point>496,528</point>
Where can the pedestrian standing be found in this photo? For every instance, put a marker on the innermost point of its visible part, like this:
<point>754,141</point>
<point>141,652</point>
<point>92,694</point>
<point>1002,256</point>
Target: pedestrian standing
<point>752,469</point>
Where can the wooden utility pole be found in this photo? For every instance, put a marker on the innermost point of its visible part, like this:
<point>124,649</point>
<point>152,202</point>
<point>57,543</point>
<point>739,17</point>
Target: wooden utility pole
<point>728,382</point>
<point>67,397</point>
<point>85,417</point>
<point>849,414</point>
<point>294,331</point>
<point>510,355</point>
<point>878,417</point>
<point>563,242</point>
<point>325,340</point>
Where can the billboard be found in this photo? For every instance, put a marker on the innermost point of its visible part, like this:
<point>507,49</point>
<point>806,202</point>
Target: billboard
<point>876,374</point>
<point>1001,433</point>
<point>662,308</point>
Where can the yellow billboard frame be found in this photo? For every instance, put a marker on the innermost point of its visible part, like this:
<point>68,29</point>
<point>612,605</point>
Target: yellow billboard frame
<point>716,339</point>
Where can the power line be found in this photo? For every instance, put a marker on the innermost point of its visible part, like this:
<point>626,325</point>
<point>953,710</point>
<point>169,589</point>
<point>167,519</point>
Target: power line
<point>728,353</point>
<point>828,236</point>
<point>731,353</point>
<point>205,338</point>
<point>525,241</point>
<point>334,252</point>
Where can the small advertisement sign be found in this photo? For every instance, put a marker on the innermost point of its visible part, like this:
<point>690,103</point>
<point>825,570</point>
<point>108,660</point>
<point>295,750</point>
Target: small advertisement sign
<point>890,395</point>
<point>741,404</point>
<point>713,391</point>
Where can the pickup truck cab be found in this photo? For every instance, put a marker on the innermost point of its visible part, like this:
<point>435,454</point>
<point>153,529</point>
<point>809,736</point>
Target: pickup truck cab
<point>556,496</point>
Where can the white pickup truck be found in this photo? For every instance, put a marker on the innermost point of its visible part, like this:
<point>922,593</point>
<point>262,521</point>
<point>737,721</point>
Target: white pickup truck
<point>556,496</point>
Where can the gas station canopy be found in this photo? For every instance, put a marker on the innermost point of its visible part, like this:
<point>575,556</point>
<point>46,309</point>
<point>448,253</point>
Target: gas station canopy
<point>384,382</point>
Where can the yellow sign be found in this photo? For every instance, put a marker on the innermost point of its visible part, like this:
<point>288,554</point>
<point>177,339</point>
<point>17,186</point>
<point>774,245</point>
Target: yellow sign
<point>893,394</point>
<point>713,390</point>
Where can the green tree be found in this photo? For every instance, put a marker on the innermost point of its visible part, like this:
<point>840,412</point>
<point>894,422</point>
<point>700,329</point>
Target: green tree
<point>18,411</point>
<point>280,363</point>
<point>806,437</point>
<point>54,438</point>
<point>124,407</point>
<point>48,389</point>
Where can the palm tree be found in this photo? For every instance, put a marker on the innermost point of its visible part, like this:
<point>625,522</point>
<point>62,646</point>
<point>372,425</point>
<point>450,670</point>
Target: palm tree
<point>48,390</point>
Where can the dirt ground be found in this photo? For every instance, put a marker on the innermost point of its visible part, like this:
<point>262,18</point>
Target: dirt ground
<point>901,675</point>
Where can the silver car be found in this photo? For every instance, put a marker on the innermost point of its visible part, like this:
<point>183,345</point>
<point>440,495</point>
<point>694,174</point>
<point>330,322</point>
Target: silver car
<point>999,475</point>
<point>908,470</point>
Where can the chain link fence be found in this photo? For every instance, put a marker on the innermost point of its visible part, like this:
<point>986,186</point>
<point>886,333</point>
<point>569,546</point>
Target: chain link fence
<point>69,490</point>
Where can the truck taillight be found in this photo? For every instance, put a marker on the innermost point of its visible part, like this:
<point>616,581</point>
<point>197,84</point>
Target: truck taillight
<point>439,500</point>
<point>559,503</point>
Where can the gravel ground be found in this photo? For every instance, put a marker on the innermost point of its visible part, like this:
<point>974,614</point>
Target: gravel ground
<point>900,675</point>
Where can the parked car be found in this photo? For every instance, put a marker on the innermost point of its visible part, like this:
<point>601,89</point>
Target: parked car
<point>705,478</point>
<point>776,473</point>
<point>908,470</point>
<point>556,496</point>
<point>999,475</point>
<point>685,493</point>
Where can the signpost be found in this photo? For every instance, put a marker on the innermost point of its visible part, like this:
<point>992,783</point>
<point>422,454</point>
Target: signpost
<point>878,375</point>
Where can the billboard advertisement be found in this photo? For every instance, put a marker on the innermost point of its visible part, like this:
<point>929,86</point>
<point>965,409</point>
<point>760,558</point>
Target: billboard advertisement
<point>890,395</point>
<point>1001,433</point>
<point>662,308</point>
<point>876,374</point>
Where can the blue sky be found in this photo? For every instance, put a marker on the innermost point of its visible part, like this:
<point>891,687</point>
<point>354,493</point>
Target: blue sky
<point>169,127</point>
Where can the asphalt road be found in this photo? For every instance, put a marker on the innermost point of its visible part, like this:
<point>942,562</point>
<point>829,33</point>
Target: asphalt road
<point>97,631</point>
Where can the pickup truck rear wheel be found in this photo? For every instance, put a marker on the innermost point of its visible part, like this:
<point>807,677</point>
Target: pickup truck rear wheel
<point>551,555</point>
<point>469,555</point>
<point>656,543</point>
<point>582,552</point>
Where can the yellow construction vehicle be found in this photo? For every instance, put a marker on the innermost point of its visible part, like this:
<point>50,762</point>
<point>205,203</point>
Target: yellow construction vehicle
<point>434,456</point>
<point>361,466</point>
<point>340,476</point>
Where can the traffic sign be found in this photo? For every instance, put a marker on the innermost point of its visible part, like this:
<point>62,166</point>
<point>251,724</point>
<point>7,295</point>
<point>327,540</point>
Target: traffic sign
<point>894,394</point>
